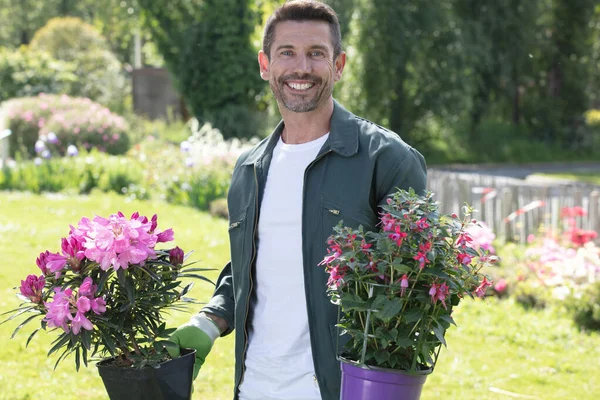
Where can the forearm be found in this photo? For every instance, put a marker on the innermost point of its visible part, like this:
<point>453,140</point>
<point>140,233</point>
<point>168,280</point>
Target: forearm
<point>220,322</point>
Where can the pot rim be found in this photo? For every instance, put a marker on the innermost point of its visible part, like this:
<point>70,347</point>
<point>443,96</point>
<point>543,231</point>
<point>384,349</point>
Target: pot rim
<point>375,368</point>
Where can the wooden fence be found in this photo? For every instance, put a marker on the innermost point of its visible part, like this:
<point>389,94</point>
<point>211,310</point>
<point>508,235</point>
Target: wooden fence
<point>515,208</point>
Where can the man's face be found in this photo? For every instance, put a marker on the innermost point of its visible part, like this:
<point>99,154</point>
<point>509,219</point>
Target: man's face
<point>301,70</point>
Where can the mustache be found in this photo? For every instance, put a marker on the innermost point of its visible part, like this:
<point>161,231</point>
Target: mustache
<point>300,77</point>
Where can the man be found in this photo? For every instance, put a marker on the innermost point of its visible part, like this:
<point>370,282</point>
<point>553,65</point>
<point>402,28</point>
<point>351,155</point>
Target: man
<point>321,165</point>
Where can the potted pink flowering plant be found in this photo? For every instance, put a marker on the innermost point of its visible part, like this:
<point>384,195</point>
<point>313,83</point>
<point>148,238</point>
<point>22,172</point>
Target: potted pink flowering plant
<point>105,295</point>
<point>396,290</point>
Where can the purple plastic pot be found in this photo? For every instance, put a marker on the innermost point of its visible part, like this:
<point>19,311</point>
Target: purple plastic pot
<point>364,383</point>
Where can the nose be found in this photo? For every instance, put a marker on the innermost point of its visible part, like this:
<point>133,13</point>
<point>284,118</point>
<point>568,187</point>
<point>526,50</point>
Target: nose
<point>303,64</point>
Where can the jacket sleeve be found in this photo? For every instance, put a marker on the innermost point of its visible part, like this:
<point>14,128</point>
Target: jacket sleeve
<point>222,303</point>
<point>410,171</point>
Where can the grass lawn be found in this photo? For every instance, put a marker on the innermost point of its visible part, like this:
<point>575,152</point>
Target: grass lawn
<point>587,177</point>
<point>499,351</point>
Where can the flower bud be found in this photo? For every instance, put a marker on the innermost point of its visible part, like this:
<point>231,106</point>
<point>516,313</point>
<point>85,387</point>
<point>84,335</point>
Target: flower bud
<point>176,256</point>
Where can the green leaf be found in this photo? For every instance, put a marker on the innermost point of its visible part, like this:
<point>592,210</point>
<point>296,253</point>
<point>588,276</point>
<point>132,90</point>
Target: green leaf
<point>77,359</point>
<point>412,316</point>
<point>390,309</point>
<point>439,333</point>
<point>404,342</point>
<point>84,356</point>
<point>121,277</point>
<point>21,310</point>
<point>448,319</point>
<point>352,301</point>
<point>62,340</point>
<point>194,276</point>
<point>103,279</point>
<point>86,339</point>
<point>22,324</point>
<point>31,336</point>
<point>381,356</point>
<point>186,289</point>
<point>401,268</point>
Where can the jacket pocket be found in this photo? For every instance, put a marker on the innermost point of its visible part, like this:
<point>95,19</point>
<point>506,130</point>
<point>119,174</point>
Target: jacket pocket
<point>237,241</point>
<point>335,211</point>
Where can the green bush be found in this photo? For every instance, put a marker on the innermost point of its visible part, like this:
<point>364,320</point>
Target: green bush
<point>77,121</point>
<point>532,295</point>
<point>99,72</point>
<point>218,208</point>
<point>585,307</point>
<point>80,174</point>
<point>25,72</point>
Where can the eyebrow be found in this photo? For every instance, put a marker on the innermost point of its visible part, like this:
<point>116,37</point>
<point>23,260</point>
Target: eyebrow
<point>289,46</point>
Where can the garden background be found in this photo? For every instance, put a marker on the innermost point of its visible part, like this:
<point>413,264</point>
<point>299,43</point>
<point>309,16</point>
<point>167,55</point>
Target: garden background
<point>512,84</point>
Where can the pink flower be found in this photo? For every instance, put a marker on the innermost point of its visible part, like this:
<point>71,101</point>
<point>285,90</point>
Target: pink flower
<point>98,305</point>
<point>500,286</point>
<point>403,284</point>
<point>41,262</point>
<point>80,321</point>
<point>398,236</point>
<point>32,287</point>
<point>480,291</point>
<point>176,256</point>
<point>73,250</point>
<point>387,222</point>
<point>165,236</point>
<point>422,224</point>
<point>83,304</point>
<point>336,276</point>
<point>442,293</point>
<point>87,288</point>
<point>117,242</point>
<point>433,292</point>
<point>55,263</point>
<point>59,312</point>
<point>464,258</point>
<point>421,256</point>
<point>464,239</point>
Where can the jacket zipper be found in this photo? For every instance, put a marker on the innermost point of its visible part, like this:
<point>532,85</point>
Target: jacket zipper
<point>251,285</point>
<point>308,298</point>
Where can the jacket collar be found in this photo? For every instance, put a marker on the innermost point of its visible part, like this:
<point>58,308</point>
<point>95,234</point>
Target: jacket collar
<point>343,136</point>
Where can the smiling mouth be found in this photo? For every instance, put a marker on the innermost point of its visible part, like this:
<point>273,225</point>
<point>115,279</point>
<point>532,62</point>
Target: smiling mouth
<point>300,86</point>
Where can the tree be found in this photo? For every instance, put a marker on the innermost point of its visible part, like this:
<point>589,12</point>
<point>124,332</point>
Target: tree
<point>410,63</point>
<point>500,38</point>
<point>206,46</point>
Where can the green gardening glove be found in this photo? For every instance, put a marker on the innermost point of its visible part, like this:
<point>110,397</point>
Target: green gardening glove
<point>198,334</point>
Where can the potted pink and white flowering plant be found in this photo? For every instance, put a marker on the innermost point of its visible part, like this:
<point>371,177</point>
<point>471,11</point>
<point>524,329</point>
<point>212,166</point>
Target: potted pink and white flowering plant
<point>396,290</point>
<point>105,293</point>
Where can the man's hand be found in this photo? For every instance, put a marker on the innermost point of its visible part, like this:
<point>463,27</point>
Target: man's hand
<point>198,334</point>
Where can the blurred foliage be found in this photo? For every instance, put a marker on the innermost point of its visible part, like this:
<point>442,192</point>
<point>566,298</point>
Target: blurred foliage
<point>207,48</point>
<point>25,72</point>
<point>79,174</point>
<point>437,74</point>
<point>99,72</point>
<point>72,120</point>
<point>585,307</point>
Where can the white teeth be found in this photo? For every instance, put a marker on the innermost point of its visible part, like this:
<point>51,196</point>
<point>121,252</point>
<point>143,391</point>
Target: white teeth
<point>301,86</point>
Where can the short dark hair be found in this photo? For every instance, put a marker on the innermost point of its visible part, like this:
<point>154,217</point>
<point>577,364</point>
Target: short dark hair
<point>303,10</point>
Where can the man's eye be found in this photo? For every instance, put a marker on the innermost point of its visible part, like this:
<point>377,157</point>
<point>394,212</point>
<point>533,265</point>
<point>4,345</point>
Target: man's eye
<point>316,53</point>
<point>286,53</point>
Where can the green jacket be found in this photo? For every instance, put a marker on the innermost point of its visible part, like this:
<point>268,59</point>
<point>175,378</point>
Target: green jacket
<point>355,170</point>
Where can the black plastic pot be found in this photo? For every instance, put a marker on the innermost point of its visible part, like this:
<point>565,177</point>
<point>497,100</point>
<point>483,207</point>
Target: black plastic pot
<point>171,380</point>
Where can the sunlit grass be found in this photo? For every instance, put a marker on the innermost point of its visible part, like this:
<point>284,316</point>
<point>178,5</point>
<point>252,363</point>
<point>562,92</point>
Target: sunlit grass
<point>497,347</point>
<point>586,177</point>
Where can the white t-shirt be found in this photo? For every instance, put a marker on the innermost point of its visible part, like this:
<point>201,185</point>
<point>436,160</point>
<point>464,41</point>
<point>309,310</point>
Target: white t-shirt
<point>279,363</point>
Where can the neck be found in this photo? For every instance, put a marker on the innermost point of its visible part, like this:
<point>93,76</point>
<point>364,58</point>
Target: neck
<point>306,127</point>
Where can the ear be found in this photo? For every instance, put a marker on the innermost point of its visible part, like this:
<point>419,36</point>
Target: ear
<point>340,62</point>
<point>263,63</point>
